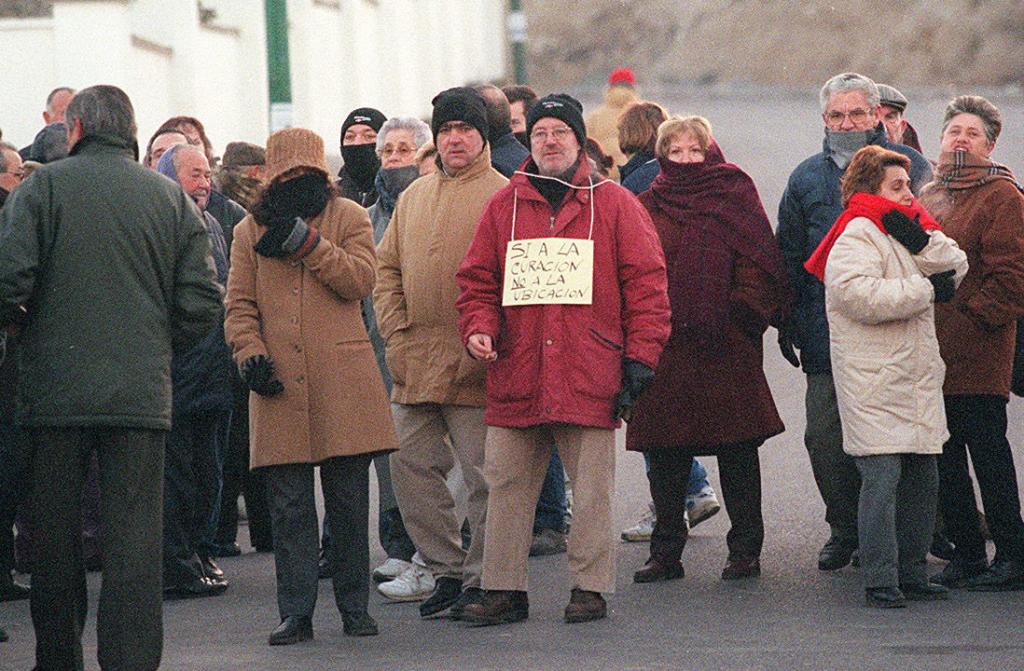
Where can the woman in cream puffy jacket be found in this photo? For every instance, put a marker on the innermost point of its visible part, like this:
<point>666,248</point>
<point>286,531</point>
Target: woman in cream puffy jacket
<point>884,264</point>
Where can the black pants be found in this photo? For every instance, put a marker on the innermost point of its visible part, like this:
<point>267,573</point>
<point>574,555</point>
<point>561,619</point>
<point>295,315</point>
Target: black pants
<point>192,488</point>
<point>129,620</point>
<point>739,469</point>
<point>346,488</point>
<point>238,479</point>
<point>14,482</point>
<point>977,424</point>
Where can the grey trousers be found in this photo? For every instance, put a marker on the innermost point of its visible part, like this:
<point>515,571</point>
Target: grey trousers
<point>834,471</point>
<point>290,498</point>
<point>129,623</point>
<point>898,496</point>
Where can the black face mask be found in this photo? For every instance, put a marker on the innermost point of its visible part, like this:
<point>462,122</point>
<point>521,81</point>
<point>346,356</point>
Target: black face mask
<point>523,138</point>
<point>362,163</point>
<point>304,196</point>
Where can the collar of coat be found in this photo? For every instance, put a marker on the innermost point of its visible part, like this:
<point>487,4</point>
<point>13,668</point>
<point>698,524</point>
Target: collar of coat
<point>104,144</point>
<point>583,178</point>
<point>480,165</point>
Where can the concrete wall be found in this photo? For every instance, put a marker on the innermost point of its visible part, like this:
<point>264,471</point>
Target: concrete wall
<point>391,54</point>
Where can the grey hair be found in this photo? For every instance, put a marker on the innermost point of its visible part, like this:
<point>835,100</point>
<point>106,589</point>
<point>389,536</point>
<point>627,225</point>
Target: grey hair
<point>420,131</point>
<point>850,81</point>
<point>980,107</point>
<point>103,110</point>
<point>3,157</point>
<point>179,151</point>
<point>53,94</point>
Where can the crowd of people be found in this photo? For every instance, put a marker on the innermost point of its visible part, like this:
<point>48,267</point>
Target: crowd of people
<point>475,304</point>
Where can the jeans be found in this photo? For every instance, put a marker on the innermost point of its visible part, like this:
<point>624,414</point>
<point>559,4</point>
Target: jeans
<point>551,506</point>
<point>698,476</point>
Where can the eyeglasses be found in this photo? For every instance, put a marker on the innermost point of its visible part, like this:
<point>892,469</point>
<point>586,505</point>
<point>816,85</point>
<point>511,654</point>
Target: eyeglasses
<point>857,116</point>
<point>400,150</point>
<point>558,134</point>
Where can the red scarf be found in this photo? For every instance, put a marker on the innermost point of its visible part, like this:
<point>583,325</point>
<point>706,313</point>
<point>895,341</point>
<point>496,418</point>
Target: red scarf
<point>864,205</point>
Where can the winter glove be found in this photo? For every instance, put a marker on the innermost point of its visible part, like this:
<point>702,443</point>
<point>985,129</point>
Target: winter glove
<point>906,231</point>
<point>943,285</point>
<point>636,378</point>
<point>295,239</point>
<point>786,345</point>
<point>258,373</point>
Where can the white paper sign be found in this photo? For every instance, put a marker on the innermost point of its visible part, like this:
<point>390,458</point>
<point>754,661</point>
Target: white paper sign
<point>549,271</point>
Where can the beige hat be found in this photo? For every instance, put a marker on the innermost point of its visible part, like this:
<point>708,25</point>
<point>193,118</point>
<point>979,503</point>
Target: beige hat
<point>294,148</point>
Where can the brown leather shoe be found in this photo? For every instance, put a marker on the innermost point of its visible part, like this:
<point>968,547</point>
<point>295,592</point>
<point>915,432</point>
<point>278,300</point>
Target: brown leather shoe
<point>742,567</point>
<point>497,607</point>
<point>657,571</point>
<point>585,606</point>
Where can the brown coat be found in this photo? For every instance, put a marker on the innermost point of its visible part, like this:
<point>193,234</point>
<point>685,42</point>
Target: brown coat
<point>976,330</point>
<point>429,233</point>
<point>603,123</point>
<point>306,316</point>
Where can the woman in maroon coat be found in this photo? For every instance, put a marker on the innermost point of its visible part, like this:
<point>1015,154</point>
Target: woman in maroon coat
<point>726,284</point>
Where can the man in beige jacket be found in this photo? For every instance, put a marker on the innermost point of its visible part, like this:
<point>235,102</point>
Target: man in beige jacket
<point>438,388</point>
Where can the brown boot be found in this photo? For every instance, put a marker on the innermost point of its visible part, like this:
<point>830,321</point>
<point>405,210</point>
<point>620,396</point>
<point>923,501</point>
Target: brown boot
<point>497,607</point>
<point>656,570</point>
<point>585,606</point>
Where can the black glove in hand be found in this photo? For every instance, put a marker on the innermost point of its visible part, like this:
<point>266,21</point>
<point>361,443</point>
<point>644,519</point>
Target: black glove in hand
<point>258,373</point>
<point>943,285</point>
<point>786,345</point>
<point>636,378</point>
<point>287,238</point>
<point>906,231</point>
<point>269,244</point>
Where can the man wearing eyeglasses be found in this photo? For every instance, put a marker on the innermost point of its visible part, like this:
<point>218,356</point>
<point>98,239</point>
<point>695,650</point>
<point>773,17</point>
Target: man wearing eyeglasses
<point>10,170</point>
<point>850,106</point>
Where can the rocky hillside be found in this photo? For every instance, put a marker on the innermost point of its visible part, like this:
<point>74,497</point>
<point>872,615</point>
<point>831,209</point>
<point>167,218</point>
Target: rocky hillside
<point>914,43</point>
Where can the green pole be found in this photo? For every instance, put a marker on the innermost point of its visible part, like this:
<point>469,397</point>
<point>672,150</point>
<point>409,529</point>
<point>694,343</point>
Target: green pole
<point>279,77</point>
<point>517,37</point>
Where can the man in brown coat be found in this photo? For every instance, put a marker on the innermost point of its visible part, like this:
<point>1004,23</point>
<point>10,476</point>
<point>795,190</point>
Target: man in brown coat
<point>980,206</point>
<point>438,389</point>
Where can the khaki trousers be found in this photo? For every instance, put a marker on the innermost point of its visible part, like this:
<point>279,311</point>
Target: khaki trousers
<point>419,472</point>
<point>515,465</point>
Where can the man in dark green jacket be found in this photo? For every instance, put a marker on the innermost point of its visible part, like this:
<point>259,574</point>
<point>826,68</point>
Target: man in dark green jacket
<point>106,268</point>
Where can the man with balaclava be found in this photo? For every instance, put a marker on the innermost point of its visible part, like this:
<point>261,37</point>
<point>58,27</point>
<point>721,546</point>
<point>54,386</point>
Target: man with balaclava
<point>359,154</point>
<point>850,106</point>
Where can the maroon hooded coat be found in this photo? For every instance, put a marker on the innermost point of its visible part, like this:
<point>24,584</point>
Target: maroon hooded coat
<point>727,283</point>
<point>563,363</point>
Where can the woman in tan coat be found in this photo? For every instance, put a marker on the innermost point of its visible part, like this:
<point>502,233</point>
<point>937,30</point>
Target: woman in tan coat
<point>300,263</point>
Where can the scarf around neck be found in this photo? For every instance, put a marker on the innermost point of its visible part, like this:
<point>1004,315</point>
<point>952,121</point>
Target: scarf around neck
<point>390,184</point>
<point>874,208</point>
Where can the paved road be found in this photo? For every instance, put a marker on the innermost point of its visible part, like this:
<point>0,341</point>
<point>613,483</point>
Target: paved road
<point>793,617</point>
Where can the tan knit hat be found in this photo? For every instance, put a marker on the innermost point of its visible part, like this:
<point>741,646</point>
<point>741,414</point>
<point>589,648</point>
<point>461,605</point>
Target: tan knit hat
<point>294,148</point>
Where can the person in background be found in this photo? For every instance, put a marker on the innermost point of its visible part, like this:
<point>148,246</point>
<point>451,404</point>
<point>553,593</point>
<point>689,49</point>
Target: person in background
<point>727,284</point>
<point>426,159</point>
<point>56,105</point>
<point>359,155</point>
<point>602,162</point>
<point>893,114</point>
<point>507,153</point>
<point>520,99</point>
<point>603,121</point>
<point>300,264</point>
<point>241,171</point>
<point>638,132</point>
<point>885,264</point>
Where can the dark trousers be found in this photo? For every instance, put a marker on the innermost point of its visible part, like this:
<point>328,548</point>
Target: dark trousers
<point>238,479</point>
<point>129,621</point>
<point>977,424</point>
<point>14,484</point>
<point>551,508</point>
<point>739,470</point>
<point>192,486</point>
<point>834,471</point>
<point>346,485</point>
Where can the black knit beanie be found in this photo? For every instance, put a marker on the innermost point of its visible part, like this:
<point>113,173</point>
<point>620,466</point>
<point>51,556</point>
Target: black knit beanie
<point>365,115</point>
<point>459,104</point>
<point>561,106</point>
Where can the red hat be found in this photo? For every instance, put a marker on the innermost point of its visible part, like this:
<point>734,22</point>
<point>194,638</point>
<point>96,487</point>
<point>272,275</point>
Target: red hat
<point>622,77</point>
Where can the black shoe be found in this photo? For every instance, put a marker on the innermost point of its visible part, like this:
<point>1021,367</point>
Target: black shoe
<point>226,550</point>
<point>293,629</point>
<point>941,547</point>
<point>741,567</point>
<point>957,572</point>
<point>210,568</point>
<point>884,597</point>
<point>12,591</point>
<point>497,607</point>
<point>468,596</point>
<point>656,570</point>
<point>446,592</point>
<point>359,624</point>
<point>198,588</point>
<point>1004,575</point>
<point>924,591</point>
<point>835,554</point>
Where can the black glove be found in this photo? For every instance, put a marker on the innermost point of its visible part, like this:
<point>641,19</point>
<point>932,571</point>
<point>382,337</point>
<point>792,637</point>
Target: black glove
<point>287,239</point>
<point>786,345</point>
<point>636,378</point>
<point>906,231</point>
<point>258,373</point>
<point>943,285</point>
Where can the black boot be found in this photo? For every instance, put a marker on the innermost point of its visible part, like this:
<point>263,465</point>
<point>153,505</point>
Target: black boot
<point>446,592</point>
<point>293,629</point>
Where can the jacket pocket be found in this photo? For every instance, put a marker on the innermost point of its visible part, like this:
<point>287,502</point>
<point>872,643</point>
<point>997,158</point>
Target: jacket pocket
<point>396,355</point>
<point>515,374</point>
<point>597,366</point>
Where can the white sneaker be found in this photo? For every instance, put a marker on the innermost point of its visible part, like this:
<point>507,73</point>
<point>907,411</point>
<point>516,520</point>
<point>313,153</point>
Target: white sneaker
<point>642,530</point>
<point>702,505</point>
<point>390,569</point>
<point>415,583</point>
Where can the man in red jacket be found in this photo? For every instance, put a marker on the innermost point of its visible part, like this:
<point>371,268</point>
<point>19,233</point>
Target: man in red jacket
<point>563,293</point>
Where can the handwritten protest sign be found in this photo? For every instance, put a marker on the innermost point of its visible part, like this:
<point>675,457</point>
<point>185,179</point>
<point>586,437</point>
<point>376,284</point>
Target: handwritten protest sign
<point>549,271</point>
